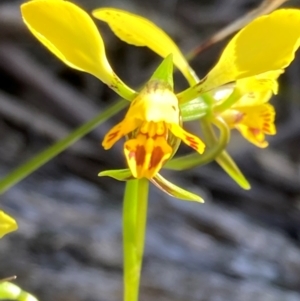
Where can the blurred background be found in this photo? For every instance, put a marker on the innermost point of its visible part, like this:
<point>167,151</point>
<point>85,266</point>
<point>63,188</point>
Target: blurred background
<point>238,246</point>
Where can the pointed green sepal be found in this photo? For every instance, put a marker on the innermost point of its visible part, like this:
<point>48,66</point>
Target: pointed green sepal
<point>117,174</point>
<point>7,224</point>
<point>164,72</point>
<point>227,163</point>
<point>174,190</point>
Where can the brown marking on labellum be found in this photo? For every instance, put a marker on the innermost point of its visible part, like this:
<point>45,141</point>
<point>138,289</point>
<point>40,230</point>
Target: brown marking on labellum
<point>140,154</point>
<point>156,156</point>
<point>254,131</point>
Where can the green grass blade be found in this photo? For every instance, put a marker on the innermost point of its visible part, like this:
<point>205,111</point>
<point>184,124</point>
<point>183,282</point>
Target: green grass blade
<point>26,169</point>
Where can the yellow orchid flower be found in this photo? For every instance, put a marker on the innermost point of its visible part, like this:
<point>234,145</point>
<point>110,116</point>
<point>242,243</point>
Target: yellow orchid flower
<point>153,127</point>
<point>152,124</point>
<point>252,122</point>
<point>153,119</point>
<point>7,224</point>
<point>254,58</point>
<point>251,115</point>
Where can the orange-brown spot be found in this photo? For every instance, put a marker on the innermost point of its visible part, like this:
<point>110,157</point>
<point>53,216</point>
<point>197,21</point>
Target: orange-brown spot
<point>112,136</point>
<point>254,131</point>
<point>156,157</point>
<point>192,142</point>
<point>140,154</point>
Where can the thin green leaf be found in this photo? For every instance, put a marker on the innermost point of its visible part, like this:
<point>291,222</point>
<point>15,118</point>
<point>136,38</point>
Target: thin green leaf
<point>26,169</point>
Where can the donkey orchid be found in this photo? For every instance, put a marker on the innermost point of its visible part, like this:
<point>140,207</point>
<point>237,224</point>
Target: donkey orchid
<point>153,122</point>
<point>251,115</point>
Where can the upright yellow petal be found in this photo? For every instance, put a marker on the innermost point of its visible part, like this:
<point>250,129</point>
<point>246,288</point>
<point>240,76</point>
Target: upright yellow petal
<point>139,31</point>
<point>262,82</point>
<point>70,33</point>
<point>267,44</point>
<point>258,89</point>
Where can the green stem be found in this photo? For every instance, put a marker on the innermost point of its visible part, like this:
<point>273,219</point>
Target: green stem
<point>209,134</point>
<point>131,273</point>
<point>141,218</point>
<point>224,159</point>
<point>228,102</point>
<point>194,159</point>
<point>24,170</point>
<point>134,228</point>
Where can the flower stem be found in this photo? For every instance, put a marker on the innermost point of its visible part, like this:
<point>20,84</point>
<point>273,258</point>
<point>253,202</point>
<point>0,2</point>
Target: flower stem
<point>223,158</point>
<point>228,102</point>
<point>134,227</point>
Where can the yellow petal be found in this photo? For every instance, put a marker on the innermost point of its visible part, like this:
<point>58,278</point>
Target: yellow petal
<point>7,224</point>
<point>253,135</point>
<point>258,89</point>
<point>267,44</point>
<point>120,130</point>
<point>70,33</point>
<point>139,31</point>
<point>261,117</point>
<point>262,82</point>
<point>189,139</point>
<point>253,122</point>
